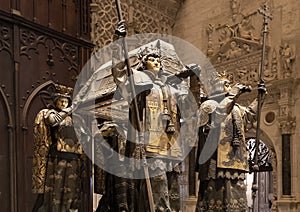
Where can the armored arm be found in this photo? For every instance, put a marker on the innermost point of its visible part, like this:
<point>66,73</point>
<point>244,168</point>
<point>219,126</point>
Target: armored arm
<point>234,94</point>
<point>250,112</point>
<point>54,117</point>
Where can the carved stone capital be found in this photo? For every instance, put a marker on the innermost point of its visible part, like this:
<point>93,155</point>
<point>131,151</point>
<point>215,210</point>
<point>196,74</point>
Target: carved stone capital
<point>286,99</point>
<point>287,124</point>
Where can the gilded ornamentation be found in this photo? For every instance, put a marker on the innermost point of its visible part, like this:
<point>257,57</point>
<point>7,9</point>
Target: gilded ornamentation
<point>58,170</point>
<point>41,149</point>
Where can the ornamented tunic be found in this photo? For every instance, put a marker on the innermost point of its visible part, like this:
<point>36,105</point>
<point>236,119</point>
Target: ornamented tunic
<point>58,164</point>
<point>159,142</point>
<point>222,186</point>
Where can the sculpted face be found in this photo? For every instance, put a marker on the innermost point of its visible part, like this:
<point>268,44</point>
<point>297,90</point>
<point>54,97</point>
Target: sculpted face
<point>227,86</point>
<point>62,103</point>
<point>153,64</point>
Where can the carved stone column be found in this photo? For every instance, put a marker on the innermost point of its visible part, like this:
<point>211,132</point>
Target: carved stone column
<point>287,124</point>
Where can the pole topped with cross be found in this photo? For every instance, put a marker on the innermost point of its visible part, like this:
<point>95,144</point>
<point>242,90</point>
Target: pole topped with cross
<point>265,11</point>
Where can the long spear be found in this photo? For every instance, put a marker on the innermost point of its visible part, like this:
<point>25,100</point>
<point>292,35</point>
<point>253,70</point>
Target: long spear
<point>261,91</point>
<point>136,110</point>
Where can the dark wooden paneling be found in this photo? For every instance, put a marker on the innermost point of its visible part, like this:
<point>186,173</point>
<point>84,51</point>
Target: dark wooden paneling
<point>84,19</point>
<point>5,5</point>
<point>41,12</point>
<point>56,15</point>
<point>4,183</point>
<point>37,67</point>
<point>26,9</point>
<point>6,79</point>
<point>67,16</point>
<point>4,155</point>
<point>31,55</point>
<point>71,19</point>
<point>27,121</point>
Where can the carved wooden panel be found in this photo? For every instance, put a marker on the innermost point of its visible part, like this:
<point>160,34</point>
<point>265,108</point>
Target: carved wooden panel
<point>6,109</point>
<point>42,58</point>
<point>35,103</point>
<point>5,38</point>
<point>4,154</point>
<point>49,53</point>
<point>31,56</point>
<point>67,16</point>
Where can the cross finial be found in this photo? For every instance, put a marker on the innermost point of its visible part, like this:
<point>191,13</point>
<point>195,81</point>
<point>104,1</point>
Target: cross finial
<point>265,11</point>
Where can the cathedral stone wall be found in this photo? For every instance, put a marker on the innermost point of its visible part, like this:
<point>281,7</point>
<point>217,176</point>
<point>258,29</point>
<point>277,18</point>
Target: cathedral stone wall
<point>213,26</point>
<point>229,32</point>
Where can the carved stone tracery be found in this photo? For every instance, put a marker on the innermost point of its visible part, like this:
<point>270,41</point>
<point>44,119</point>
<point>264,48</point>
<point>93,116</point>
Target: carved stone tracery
<point>142,16</point>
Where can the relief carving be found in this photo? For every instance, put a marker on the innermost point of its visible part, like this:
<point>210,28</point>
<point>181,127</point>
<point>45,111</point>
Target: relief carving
<point>183,179</point>
<point>287,59</point>
<point>274,175</point>
<point>245,29</point>
<point>242,75</point>
<point>225,35</point>
<point>234,51</point>
<point>271,73</point>
<point>235,47</point>
<point>5,39</point>
<point>31,41</point>
<point>209,31</point>
<point>235,6</point>
<point>240,58</point>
